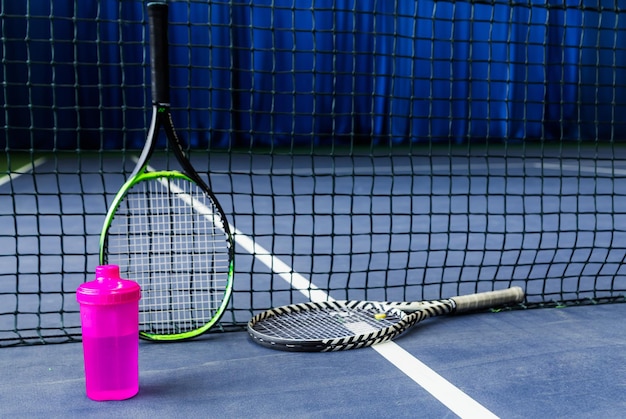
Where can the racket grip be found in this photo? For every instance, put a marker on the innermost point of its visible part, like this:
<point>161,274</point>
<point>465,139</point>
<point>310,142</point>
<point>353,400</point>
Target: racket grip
<point>489,299</point>
<point>159,59</point>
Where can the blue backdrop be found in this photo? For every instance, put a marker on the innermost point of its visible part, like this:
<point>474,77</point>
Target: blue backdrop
<point>347,70</point>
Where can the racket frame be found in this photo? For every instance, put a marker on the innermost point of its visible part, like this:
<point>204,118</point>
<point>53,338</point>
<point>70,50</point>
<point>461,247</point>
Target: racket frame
<point>409,314</point>
<point>162,119</point>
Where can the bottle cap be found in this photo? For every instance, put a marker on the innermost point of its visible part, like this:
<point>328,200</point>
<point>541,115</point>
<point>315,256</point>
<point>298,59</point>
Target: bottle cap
<point>108,288</point>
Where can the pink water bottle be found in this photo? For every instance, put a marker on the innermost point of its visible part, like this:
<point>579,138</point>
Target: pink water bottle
<point>109,314</point>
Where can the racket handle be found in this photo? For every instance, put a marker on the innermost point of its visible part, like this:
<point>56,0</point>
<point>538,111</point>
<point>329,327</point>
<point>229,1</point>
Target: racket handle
<point>159,64</point>
<point>488,299</point>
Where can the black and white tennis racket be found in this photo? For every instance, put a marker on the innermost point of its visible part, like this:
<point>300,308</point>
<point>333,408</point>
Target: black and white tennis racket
<point>166,229</point>
<point>341,325</point>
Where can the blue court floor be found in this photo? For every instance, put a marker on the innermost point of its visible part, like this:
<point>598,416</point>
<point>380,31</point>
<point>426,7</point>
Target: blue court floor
<point>557,363</point>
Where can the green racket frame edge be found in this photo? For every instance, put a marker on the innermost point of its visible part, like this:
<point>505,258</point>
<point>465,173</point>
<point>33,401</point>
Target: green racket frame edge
<point>103,236</point>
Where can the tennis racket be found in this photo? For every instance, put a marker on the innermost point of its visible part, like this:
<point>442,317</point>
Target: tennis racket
<point>341,325</point>
<point>166,229</point>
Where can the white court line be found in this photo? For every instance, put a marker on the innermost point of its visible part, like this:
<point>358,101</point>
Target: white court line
<point>27,168</point>
<point>440,388</point>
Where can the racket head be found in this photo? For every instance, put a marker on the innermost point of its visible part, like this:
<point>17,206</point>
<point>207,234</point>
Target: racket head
<point>330,325</point>
<point>168,233</point>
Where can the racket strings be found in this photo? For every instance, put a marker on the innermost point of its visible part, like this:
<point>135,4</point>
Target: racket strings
<point>333,322</point>
<point>168,236</point>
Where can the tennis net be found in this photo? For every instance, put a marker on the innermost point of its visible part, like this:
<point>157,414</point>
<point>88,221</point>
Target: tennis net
<point>381,150</point>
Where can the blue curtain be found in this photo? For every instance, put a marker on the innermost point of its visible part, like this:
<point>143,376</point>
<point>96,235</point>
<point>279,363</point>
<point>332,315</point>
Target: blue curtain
<point>63,71</point>
<point>287,73</point>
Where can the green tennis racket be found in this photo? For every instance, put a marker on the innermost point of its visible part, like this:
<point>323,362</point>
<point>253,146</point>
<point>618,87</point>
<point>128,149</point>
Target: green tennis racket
<point>166,229</point>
